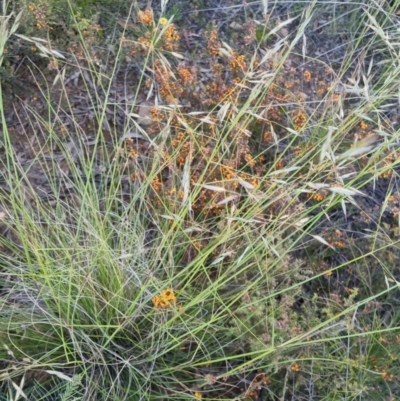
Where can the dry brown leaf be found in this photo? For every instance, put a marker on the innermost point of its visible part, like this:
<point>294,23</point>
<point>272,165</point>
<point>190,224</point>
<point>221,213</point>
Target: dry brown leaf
<point>144,113</point>
<point>235,25</point>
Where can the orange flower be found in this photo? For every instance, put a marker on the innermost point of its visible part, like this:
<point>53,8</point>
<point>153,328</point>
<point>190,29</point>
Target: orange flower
<point>295,367</point>
<point>213,43</point>
<point>145,17</point>
<point>237,63</point>
<point>157,300</point>
<point>169,295</point>
<point>165,299</point>
<point>171,38</point>
<point>307,76</point>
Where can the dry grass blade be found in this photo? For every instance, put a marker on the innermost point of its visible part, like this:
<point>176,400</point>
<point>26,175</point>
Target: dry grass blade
<point>321,240</point>
<point>19,391</point>
<point>60,375</point>
<point>39,43</point>
<point>214,188</point>
<point>346,191</point>
<point>245,184</point>
<point>361,147</point>
<point>326,146</point>
<point>227,200</point>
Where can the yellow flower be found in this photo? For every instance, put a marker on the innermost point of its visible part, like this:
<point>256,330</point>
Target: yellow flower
<point>163,21</point>
<point>198,395</point>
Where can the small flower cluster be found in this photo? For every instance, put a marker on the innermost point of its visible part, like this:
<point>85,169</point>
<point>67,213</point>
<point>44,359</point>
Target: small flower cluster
<point>387,376</point>
<point>166,299</point>
<point>169,89</point>
<point>259,382</point>
<point>40,17</point>
<point>337,239</point>
<point>213,43</point>
<point>307,76</point>
<point>171,38</point>
<point>186,75</point>
<point>145,17</point>
<point>299,119</point>
<point>237,62</point>
<point>92,31</point>
<point>295,367</point>
<point>318,196</point>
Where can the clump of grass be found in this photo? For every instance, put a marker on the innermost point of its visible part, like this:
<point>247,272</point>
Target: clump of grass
<point>185,253</point>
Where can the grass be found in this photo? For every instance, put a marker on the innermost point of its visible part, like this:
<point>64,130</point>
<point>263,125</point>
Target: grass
<point>212,230</point>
